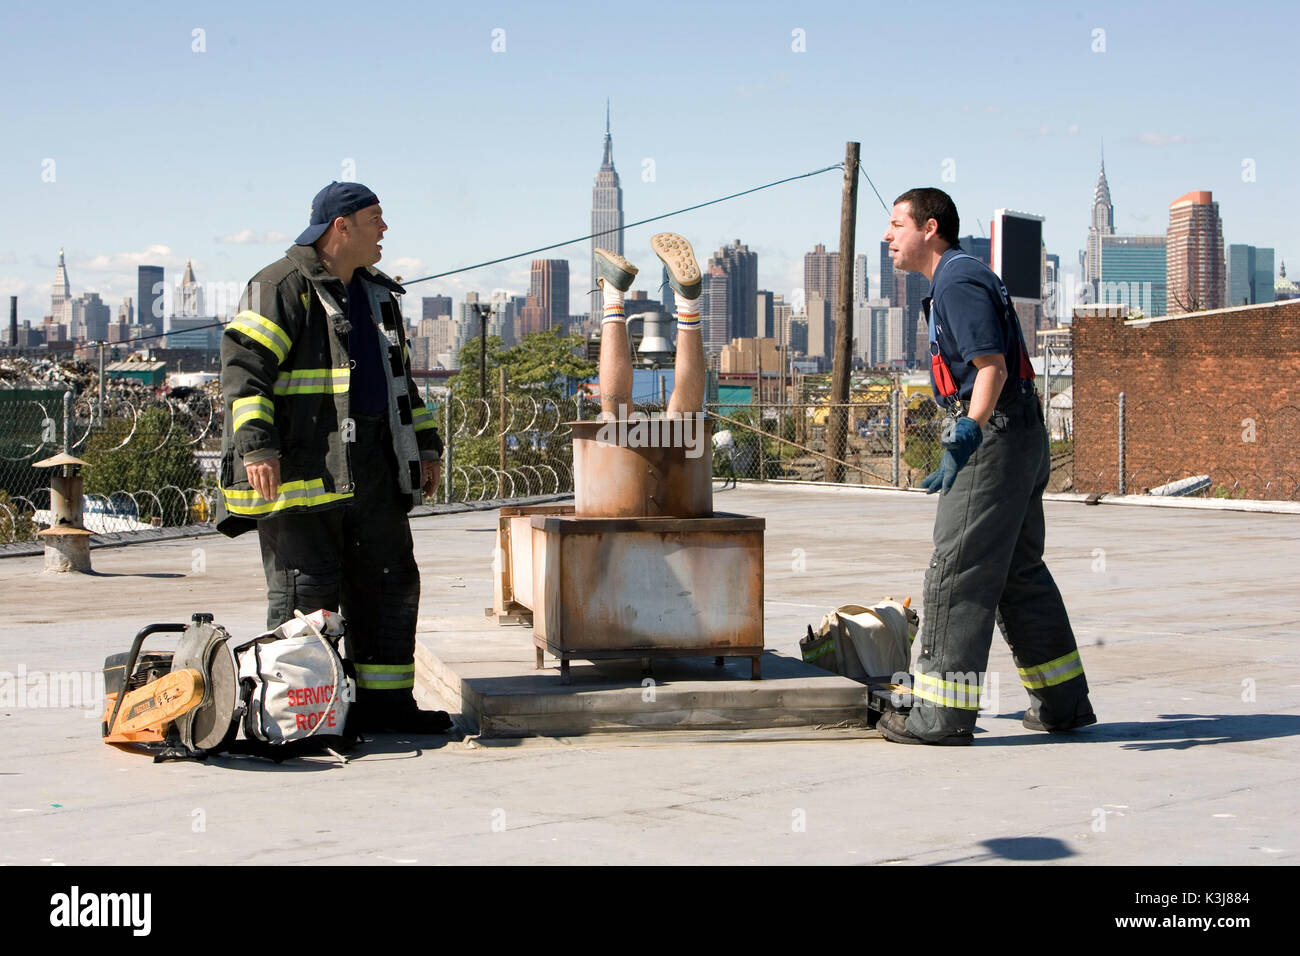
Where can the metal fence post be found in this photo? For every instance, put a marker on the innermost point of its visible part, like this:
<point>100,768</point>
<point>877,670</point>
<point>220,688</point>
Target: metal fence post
<point>67,421</point>
<point>1122,463</point>
<point>896,400</point>
<point>446,448</point>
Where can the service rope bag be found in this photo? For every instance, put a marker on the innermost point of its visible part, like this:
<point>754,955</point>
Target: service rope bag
<point>296,690</point>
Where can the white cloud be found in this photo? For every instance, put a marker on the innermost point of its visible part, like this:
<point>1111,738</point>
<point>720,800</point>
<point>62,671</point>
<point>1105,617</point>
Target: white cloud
<point>1163,139</point>
<point>155,255</point>
<point>251,238</point>
<point>408,267</point>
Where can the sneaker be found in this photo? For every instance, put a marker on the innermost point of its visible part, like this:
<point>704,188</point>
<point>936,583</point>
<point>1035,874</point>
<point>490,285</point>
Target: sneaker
<point>1083,717</point>
<point>679,257</point>
<point>614,269</point>
<point>405,718</point>
<point>893,726</point>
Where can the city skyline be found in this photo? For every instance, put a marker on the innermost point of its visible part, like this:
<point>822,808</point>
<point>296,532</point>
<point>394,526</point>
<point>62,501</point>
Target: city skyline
<point>1022,138</point>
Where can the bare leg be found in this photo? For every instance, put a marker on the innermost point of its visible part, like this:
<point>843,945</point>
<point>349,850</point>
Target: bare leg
<point>688,373</point>
<point>616,275</point>
<point>615,370</point>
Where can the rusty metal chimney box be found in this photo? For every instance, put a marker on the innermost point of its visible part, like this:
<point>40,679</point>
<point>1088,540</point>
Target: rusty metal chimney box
<point>640,566</point>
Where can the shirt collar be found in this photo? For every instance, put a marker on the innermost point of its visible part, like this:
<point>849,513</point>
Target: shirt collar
<point>943,261</point>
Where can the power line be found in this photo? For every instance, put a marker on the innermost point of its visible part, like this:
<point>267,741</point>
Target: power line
<point>630,225</point>
<point>517,255</point>
<point>863,170</point>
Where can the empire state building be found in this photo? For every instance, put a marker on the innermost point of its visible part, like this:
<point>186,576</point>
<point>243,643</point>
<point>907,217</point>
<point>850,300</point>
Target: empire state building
<point>606,214</point>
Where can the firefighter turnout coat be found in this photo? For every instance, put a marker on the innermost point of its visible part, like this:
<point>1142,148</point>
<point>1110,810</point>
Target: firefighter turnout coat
<point>285,371</point>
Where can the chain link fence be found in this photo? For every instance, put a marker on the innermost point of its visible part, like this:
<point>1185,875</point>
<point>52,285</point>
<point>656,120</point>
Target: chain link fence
<point>153,456</point>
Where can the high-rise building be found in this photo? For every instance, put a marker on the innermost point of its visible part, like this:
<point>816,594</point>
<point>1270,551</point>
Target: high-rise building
<point>1194,251</point>
<point>861,278</point>
<point>150,309</point>
<point>433,306</point>
<point>1018,254</point>
<point>1250,275</point>
<point>606,214</point>
<point>910,289</point>
<point>976,246</point>
<point>741,267</point>
<point>90,318</point>
<point>61,295</point>
<point>126,311</point>
<point>1133,273</point>
<point>1102,223</point>
<point>713,308</point>
<point>550,288</point>
<point>189,294</point>
<point>884,334</point>
<point>821,329</point>
<point>765,314</point>
<point>821,270</point>
<point>886,273</point>
<point>781,315</point>
<point>1051,287</point>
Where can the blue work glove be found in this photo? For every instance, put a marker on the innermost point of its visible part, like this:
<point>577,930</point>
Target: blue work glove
<point>960,439</point>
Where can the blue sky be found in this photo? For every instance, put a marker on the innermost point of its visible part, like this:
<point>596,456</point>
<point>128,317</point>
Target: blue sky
<point>161,152</point>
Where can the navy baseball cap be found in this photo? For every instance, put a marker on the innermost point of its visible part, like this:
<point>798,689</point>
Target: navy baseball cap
<point>336,199</point>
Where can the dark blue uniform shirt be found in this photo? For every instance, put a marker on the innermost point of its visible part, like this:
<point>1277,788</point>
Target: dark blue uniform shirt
<point>966,307</point>
<point>368,390</point>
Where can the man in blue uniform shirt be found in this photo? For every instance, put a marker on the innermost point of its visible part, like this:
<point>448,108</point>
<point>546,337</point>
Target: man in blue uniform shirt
<point>988,531</point>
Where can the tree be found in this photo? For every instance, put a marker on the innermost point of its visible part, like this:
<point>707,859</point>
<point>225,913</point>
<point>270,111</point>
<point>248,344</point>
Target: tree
<point>538,372</point>
<point>156,455</point>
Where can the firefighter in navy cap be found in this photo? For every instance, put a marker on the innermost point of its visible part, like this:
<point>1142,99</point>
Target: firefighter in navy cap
<point>327,446</point>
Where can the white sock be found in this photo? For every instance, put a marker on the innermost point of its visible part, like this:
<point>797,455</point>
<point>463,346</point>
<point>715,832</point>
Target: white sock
<point>613,304</point>
<point>688,312</point>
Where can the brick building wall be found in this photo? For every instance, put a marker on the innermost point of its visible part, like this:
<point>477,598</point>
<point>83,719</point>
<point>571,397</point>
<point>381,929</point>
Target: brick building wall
<point>1214,393</point>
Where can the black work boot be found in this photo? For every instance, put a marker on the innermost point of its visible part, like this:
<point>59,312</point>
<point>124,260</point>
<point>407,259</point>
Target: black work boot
<point>395,712</point>
<point>893,726</point>
<point>1083,717</point>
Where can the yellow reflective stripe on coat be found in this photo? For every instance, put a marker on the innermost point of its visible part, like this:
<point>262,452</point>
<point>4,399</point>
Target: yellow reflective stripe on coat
<point>422,418</point>
<point>252,407</point>
<point>313,381</point>
<point>959,694</point>
<point>1052,673</point>
<point>292,494</point>
<point>261,329</point>
<point>385,676</point>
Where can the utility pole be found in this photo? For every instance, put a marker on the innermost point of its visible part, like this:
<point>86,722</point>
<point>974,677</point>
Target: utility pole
<point>842,364</point>
<point>483,312</point>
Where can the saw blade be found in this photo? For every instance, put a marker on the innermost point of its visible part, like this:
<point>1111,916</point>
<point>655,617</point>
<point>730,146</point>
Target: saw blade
<point>211,720</point>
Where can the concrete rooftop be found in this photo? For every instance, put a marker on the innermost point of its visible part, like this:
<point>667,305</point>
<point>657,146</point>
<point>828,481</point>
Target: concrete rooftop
<point>1188,622</point>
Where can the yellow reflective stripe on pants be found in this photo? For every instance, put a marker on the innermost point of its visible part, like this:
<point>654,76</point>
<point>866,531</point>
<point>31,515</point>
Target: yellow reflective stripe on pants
<point>261,329</point>
<point>246,409</point>
<point>313,381</point>
<point>292,494</point>
<point>385,676</point>
<point>1052,673</point>
<point>422,418</point>
<point>960,694</point>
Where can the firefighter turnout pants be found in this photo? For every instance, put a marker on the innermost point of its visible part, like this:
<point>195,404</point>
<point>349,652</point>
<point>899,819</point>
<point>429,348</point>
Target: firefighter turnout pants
<point>357,559</point>
<point>988,565</point>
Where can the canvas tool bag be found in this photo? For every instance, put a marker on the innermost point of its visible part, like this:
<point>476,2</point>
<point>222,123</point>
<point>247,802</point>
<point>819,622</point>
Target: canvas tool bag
<point>295,688</point>
<point>863,642</point>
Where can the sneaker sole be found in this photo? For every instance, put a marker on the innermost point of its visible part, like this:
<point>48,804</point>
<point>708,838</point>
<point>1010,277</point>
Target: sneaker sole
<point>615,270</point>
<point>679,257</point>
